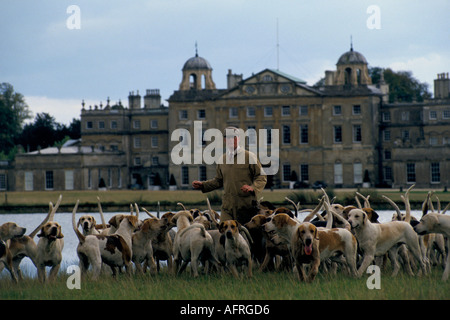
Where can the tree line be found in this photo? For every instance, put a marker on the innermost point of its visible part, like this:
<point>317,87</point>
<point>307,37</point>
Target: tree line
<point>44,131</point>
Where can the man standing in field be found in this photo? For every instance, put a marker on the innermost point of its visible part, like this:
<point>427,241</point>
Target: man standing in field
<point>240,174</point>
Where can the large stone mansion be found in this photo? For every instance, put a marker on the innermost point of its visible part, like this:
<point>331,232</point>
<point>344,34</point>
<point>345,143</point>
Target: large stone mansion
<point>343,133</point>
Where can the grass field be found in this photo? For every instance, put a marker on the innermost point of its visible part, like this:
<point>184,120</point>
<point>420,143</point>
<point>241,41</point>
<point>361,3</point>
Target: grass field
<point>263,286</point>
<point>114,199</point>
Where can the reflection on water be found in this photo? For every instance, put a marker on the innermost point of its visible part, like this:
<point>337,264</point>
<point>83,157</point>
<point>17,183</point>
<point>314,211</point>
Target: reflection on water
<point>32,220</point>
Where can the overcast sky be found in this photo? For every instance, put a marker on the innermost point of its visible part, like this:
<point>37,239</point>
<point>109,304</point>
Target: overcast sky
<point>124,46</point>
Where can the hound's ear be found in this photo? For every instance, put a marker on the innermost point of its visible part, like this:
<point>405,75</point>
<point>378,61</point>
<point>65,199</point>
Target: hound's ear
<point>316,234</point>
<point>221,227</point>
<point>113,222</point>
<point>59,235</point>
<point>364,218</point>
<point>222,240</point>
<point>79,222</point>
<point>41,234</point>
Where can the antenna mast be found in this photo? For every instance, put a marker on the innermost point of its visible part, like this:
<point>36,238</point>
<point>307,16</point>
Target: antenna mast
<point>278,50</point>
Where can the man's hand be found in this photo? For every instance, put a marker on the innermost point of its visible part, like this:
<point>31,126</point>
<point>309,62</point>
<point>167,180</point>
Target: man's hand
<point>246,188</point>
<point>197,184</point>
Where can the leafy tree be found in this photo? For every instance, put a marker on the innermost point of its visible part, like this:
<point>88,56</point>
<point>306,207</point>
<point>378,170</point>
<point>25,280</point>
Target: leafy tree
<point>403,87</point>
<point>13,112</point>
<point>45,132</point>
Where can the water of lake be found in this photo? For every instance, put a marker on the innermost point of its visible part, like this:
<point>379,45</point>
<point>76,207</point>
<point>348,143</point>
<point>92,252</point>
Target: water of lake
<point>32,220</point>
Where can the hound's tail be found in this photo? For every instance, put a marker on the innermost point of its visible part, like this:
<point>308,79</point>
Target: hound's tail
<point>407,205</point>
<point>80,236</point>
<point>51,211</point>
<point>192,226</point>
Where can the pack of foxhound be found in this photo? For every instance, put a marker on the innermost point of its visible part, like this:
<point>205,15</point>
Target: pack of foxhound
<point>331,238</point>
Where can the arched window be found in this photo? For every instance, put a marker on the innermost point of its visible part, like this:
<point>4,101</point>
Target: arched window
<point>348,76</point>
<point>203,82</point>
<point>358,76</point>
<point>193,81</point>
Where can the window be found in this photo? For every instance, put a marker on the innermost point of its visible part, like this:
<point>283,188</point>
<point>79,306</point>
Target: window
<point>405,116</point>
<point>410,172</point>
<point>234,112</point>
<point>28,181</point>
<point>119,178</point>
<point>137,142</point>
<point>89,179</point>
<point>285,111</point>
<point>433,141</point>
<point>202,173</point>
<point>155,161</point>
<point>286,172</point>
<point>304,134</point>
<point>68,179</point>
<point>48,180</point>
<point>183,114</point>
<point>338,174</point>
<point>154,142</point>
<point>201,114</point>
<point>303,110</point>
<point>387,173</point>
<point>286,134</point>
<point>89,125</point>
<point>137,161</point>
<point>433,115</point>
<point>113,124</point>
<point>268,111</point>
<point>356,110</point>
<point>357,133</point>
<point>337,134</point>
<point>109,178</point>
<point>184,175</point>
<point>386,116</point>
<point>387,135</point>
<point>101,124</point>
<point>2,181</point>
<point>337,110</point>
<point>387,155</point>
<point>114,147</point>
<point>154,124</point>
<point>405,134</point>
<point>435,172</point>
<point>136,124</point>
<point>446,114</point>
<point>251,112</point>
<point>304,172</point>
<point>357,173</point>
<point>267,78</point>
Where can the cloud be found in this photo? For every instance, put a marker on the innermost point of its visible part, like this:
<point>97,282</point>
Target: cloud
<point>63,110</point>
<point>424,68</point>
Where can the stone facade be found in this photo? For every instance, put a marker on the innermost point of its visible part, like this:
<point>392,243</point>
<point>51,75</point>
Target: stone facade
<point>343,133</point>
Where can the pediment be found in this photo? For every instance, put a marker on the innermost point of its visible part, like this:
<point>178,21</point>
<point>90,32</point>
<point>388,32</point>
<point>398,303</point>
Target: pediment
<point>270,83</point>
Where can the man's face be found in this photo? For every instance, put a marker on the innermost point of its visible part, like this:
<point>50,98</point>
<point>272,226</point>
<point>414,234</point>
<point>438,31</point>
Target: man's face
<point>232,142</point>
